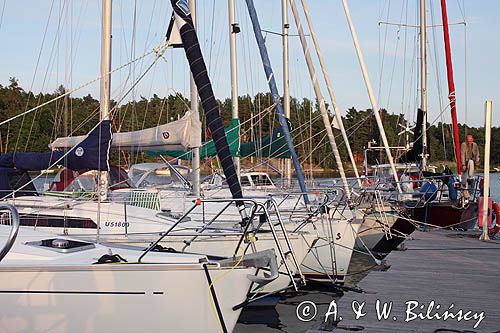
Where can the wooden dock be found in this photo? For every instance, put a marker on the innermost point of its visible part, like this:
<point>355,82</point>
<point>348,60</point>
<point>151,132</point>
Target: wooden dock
<point>447,267</point>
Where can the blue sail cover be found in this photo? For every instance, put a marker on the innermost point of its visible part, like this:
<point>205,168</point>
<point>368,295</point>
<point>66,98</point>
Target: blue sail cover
<point>92,153</point>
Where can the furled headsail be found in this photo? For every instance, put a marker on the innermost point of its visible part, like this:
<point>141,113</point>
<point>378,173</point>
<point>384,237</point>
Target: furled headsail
<point>266,63</point>
<point>184,24</point>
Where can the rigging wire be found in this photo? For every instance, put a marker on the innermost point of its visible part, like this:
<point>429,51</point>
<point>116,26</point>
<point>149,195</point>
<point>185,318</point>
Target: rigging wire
<point>1,15</point>
<point>88,83</point>
<point>381,59</point>
<point>37,63</point>
<point>211,37</point>
<point>403,83</point>
<point>396,48</point>
<point>466,80</point>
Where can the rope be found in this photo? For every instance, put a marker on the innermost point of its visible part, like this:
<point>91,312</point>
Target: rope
<point>51,166</point>
<point>74,90</point>
<point>210,288</point>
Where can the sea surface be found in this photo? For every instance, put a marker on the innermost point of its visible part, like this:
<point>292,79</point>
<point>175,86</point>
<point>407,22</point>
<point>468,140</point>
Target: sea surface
<point>282,317</point>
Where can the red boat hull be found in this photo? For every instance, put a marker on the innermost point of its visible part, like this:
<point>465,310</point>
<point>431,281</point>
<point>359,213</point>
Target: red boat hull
<point>446,215</point>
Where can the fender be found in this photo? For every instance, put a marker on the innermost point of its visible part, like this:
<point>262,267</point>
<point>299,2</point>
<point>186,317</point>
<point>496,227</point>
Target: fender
<point>495,228</point>
<point>481,213</point>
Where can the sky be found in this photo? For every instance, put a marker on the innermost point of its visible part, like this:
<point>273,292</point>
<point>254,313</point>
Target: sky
<point>51,42</point>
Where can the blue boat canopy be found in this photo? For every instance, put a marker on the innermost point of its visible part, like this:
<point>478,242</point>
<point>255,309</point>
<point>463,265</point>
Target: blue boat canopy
<point>92,153</point>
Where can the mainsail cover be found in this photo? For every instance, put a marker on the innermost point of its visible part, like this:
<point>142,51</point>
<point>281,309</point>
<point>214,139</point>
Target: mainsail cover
<point>182,134</point>
<point>207,149</point>
<point>91,153</point>
<point>198,68</point>
<point>271,146</point>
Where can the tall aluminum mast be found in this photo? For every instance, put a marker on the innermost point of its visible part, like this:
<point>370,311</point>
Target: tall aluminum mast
<point>233,30</point>
<point>105,82</point>
<point>423,81</point>
<point>286,79</point>
<point>195,158</point>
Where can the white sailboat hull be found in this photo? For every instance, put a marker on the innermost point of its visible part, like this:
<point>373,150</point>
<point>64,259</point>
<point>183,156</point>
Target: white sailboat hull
<point>44,289</point>
<point>112,300</point>
<point>142,227</point>
<point>329,257</point>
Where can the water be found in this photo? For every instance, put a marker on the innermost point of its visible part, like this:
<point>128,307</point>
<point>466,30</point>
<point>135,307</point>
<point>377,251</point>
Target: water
<point>495,186</point>
<point>283,317</point>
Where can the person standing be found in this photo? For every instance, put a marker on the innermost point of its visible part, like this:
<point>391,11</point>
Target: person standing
<point>469,158</point>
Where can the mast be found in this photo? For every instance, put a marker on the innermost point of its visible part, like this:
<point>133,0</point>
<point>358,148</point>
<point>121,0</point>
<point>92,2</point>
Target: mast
<point>276,97</point>
<point>286,79</point>
<point>451,85</point>
<point>65,114</point>
<point>423,81</point>
<point>369,88</point>
<point>320,98</point>
<point>233,30</point>
<point>105,81</point>
<point>195,158</point>
<point>336,109</point>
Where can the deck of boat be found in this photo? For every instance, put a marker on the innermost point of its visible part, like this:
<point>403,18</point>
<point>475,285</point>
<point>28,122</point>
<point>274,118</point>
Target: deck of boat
<point>446,267</point>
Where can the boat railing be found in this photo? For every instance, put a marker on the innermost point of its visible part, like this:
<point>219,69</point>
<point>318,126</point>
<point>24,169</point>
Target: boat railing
<point>269,208</point>
<point>325,207</point>
<point>438,194</point>
<point>13,217</point>
<point>421,198</point>
<point>261,213</point>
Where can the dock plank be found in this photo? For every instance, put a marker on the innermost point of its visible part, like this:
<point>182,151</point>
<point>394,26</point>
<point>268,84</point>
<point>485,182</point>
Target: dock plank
<point>442,266</point>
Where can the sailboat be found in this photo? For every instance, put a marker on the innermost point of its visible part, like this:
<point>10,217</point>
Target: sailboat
<point>331,253</point>
<point>441,204</point>
<point>125,221</point>
<point>62,284</point>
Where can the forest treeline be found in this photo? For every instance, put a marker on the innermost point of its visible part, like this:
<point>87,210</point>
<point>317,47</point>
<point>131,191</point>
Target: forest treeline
<point>77,115</point>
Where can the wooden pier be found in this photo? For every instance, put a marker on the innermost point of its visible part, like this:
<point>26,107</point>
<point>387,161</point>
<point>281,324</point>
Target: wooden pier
<point>447,267</point>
